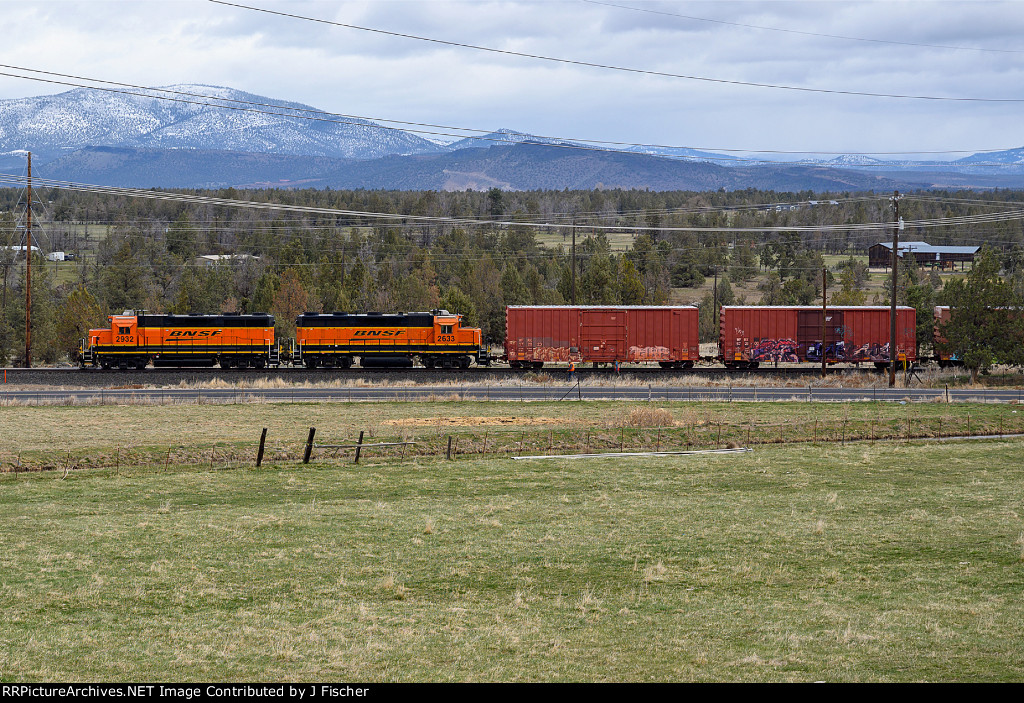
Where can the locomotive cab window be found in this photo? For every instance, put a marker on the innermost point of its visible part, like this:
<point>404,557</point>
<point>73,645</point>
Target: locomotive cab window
<point>124,330</point>
<point>447,329</point>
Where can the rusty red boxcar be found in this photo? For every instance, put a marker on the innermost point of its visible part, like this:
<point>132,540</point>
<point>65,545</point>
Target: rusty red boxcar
<point>749,335</point>
<point>601,334</point>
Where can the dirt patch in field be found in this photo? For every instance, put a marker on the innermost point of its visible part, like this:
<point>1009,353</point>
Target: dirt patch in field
<point>476,421</point>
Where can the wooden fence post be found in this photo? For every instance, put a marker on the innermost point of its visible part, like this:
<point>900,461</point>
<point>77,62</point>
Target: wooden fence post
<point>359,447</point>
<point>309,445</point>
<point>448,454</point>
<point>263,442</point>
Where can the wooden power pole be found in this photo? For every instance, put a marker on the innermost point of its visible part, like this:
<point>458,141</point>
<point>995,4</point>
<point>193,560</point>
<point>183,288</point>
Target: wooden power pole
<point>574,261</point>
<point>28,268</point>
<point>892,303</point>
<point>824,317</point>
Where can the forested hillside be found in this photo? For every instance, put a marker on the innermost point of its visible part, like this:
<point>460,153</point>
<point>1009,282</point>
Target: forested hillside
<point>475,253</point>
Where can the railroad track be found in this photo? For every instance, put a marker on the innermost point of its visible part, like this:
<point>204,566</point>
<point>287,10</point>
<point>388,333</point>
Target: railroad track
<point>96,378</point>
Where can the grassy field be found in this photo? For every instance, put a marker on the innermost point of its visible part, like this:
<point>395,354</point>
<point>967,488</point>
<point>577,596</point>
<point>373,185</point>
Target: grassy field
<point>869,561</point>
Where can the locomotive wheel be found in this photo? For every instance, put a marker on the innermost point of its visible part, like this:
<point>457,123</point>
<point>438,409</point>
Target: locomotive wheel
<point>225,363</point>
<point>259,363</point>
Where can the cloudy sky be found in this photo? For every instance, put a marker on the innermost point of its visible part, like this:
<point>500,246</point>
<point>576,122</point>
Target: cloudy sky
<point>936,49</point>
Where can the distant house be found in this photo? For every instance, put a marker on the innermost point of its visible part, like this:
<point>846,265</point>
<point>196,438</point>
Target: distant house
<point>19,251</point>
<point>215,259</point>
<point>942,256</point>
<point>56,256</point>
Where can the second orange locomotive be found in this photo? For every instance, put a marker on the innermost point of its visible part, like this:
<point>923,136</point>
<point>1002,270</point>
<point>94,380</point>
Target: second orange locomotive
<point>437,338</point>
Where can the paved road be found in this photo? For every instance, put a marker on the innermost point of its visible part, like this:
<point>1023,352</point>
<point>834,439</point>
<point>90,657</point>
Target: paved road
<point>507,393</point>
<point>97,378</point>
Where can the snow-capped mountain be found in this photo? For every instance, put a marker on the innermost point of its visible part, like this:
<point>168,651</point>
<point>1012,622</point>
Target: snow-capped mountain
<point>211,136</point>
<point>503,137</point>
<point>1013,157</point>
<point>200,117</point>
<point>853,160</point>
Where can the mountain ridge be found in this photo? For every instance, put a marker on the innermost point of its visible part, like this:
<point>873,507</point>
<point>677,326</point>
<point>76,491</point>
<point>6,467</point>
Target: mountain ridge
<point>213,136</point>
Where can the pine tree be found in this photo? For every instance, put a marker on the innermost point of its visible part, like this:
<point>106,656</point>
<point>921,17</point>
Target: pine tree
<point>986,326</point>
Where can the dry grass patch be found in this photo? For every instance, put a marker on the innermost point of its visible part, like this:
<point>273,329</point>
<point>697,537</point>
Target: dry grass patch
<point>476,421</point>
<point>645,416</point>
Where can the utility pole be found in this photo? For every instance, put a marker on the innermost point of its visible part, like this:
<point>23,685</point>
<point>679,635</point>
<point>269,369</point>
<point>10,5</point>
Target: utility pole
<point>892,303</point>
<point>714,310</point>
<point>824,318</point>
<point>573,260</point>
<point>28,268</point>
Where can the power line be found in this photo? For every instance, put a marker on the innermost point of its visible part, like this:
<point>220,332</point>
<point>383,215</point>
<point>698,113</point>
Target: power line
<point>1012,215</point>
<point>312,114</point>
<point>609,67</point>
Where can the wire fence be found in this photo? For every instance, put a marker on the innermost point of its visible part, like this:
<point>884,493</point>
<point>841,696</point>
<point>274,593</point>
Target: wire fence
<point>442,443</point>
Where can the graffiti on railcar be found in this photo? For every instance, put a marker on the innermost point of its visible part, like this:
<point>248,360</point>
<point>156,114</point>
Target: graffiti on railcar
<point>654,353</point>
<point>784,350</point>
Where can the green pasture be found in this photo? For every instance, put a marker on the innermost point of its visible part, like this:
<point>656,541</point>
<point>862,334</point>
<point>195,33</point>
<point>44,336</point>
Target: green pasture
<point>801,560</point>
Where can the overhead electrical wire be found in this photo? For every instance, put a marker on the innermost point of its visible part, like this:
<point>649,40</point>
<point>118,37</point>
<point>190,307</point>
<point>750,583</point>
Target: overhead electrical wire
<point>312,114</point>
<point>609,67</point>
<point>12,179</point>
<point>580,219</point>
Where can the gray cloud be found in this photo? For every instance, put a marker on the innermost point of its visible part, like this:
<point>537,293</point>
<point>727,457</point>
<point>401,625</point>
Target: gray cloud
<point>345,70</point>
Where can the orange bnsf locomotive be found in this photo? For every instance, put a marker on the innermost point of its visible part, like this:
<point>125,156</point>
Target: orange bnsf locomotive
<point>134,340</point>
<point>436,338</point>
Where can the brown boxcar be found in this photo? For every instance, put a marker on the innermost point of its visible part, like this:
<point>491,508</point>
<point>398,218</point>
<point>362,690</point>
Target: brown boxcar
<point>601,334</point>
<point>750,335</point>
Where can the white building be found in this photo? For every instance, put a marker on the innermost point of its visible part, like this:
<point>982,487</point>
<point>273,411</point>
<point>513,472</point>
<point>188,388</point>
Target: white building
<point>214,259</point>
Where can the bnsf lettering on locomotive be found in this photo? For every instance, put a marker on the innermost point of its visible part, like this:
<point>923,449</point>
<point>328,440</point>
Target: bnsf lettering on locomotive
<point>194,333</point>
<point>377,333</point>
